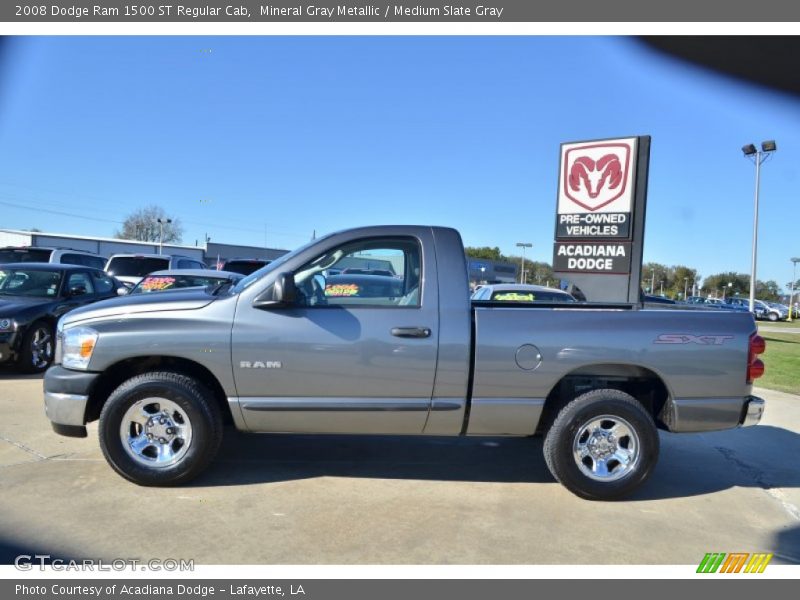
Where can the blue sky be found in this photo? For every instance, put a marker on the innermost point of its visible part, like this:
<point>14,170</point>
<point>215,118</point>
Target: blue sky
<point>270,138</point>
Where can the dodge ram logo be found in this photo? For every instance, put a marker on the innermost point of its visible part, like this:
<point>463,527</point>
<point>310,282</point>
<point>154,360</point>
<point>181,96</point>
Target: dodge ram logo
<point>260,364</point>
<point>597,174</point>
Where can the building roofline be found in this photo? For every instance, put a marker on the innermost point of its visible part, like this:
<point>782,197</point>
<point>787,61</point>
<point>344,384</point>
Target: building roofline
<point>95,238</point>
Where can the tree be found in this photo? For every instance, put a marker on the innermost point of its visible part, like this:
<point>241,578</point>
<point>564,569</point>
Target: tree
<point>143,225</point>
<point>485,252</point>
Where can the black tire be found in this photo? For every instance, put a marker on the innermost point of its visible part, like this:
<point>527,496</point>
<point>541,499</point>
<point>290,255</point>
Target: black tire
<point>33,359</point>
<point>197,404</point>
<point>561,438</point>
<point>773,317</point>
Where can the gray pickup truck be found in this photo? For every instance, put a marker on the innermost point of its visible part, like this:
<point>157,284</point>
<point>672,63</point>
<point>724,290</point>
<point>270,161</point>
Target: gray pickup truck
<point>371,331</point>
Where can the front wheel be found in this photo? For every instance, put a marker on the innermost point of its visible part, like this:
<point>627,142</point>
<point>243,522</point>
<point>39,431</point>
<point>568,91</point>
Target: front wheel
<point>602,446</point>
<point>773,317</point>
<point>38,348</point>
<point>160,429</point>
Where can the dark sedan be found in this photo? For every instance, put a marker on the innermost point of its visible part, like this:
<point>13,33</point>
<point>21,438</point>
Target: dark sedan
<point>32,298</point>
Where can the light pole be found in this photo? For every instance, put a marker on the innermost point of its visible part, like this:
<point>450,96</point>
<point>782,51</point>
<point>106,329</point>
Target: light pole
<point>523,245</point>
<point>685,287</point>
<point>758,157</point>
<point>662,288</point>
<point>161,233</point>
<point>794,260</point>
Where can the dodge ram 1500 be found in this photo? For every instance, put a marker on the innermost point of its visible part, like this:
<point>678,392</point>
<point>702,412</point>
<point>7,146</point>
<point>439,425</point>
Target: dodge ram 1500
<point>398,349</point>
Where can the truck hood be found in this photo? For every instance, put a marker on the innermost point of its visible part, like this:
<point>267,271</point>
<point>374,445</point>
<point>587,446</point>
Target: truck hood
<point>141,303</point>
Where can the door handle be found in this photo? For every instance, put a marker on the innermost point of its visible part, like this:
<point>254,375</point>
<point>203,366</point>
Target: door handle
<point>411,332</point>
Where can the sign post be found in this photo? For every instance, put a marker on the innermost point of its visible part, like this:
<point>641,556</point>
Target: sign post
<point>602,194</point>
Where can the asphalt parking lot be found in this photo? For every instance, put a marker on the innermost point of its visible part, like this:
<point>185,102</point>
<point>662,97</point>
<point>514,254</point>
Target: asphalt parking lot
<point>272,499</point>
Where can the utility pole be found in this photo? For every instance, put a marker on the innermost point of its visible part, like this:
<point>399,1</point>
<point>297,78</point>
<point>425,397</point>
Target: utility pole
<point>161,233</point>
<point>523,245</point>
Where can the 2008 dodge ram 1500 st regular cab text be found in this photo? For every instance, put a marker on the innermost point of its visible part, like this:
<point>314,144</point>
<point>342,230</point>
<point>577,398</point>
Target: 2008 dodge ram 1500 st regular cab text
<point>299,347</point>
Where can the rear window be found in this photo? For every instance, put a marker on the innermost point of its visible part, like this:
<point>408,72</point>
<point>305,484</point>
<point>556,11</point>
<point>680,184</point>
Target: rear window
<point>135,266</point>
<point>11,255</point>
<point>244,267</point>
<point>531,296</point>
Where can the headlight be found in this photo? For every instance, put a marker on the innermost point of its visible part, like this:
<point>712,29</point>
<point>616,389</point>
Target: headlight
<point>7,325</point>
<point>77,347</point>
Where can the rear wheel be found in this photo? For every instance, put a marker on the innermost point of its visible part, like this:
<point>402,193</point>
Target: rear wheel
<point>602,446</point>
<point>773,316</point>
<point>160,429</point>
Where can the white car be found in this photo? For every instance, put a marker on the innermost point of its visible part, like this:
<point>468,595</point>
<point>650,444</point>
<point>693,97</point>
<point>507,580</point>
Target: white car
<point>132,268</point>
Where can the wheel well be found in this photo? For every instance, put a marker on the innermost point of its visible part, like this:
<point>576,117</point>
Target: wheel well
<point>116,374</point>
<point>641,383</point>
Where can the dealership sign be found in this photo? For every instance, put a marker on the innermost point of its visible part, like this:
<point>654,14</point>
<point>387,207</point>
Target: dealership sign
<point>602,187</point>
<point>595,190</point>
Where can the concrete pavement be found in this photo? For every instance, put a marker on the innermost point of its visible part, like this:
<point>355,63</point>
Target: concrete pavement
<point>272,499</point>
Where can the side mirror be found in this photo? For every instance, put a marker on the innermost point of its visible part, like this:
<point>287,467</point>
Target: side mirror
<point>122,291</point>
<point>77,290</point>
<point>284,293</point>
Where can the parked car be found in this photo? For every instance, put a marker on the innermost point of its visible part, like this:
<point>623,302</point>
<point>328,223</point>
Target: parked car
<point>32,298</point>
<point>761,309</point>
<point>519,292</point>
<point>131,268</point>
<point>177,279</point>
<point>245,266</point>
<point>42,254</point>
<point>163,372</point>
<point>651,299</point>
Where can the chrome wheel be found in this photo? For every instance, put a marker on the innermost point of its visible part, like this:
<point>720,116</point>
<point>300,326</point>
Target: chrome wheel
<point>156,432</point>
<point>41,348</point>
<point>606,448</point>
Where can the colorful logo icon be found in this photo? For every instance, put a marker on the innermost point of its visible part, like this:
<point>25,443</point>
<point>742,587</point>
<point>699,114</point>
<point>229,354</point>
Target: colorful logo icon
<point>596,174</point>
<point>736,562</point>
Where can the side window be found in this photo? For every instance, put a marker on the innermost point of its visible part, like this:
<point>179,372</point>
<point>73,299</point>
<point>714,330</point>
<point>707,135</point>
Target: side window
<point>185,263</point>
<point>72,259</point>
<point>96,262</point>
<point>80,279</point>
<point>102,283</point>
<point>383,272</point>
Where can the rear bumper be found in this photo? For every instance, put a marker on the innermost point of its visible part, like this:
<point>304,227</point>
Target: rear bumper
<point>684,415</point>
<point>753,411</point>
<point>66,394</point>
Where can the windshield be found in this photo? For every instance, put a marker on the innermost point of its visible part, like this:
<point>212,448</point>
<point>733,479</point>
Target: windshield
<point>14,255</point>
<point>135,266</point>
<point>531,296</point>
<point>160,283</point>
<point>24,282</point>
<point>253,277</point>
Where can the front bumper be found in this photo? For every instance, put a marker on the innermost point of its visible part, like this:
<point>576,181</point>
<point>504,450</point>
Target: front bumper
<point>753,411</point>
<point>8,346</point>
<point>66,395</point>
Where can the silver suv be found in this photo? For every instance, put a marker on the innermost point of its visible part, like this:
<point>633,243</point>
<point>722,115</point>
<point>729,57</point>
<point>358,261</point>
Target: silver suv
<point>43,254</point>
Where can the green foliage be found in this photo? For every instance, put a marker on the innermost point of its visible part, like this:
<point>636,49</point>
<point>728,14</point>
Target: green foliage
<point>485,252</point>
